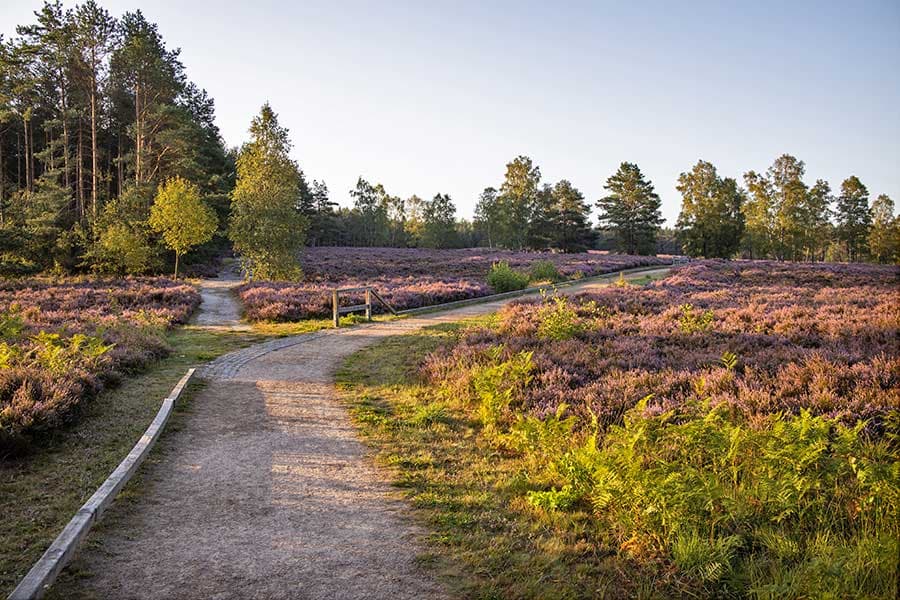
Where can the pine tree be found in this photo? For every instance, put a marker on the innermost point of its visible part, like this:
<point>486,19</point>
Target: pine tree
<point>267,228</point>
<point>853,217</point>
<point>571,227</point>
<point>632,210</point>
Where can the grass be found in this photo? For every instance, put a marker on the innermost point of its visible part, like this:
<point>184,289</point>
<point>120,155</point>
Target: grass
<point>485,541</point>
<point>40,492</point>
<point>283,329</point>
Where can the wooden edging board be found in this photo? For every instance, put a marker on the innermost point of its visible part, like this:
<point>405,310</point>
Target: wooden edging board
<point>44,572</point>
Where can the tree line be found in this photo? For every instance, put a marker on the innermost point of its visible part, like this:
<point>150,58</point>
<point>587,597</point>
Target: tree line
<point>778,215</point>
<point>110,161</point>
<point>96,113</point>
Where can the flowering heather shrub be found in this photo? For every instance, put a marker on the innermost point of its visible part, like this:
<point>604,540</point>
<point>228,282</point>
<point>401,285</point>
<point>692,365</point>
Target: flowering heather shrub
<point>408,277</point>
<point>821,337</point>
<point>731,429</point>
<point>61,341</point>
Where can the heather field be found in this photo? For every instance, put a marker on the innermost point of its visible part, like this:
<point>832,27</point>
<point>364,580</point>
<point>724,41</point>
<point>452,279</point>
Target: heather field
<point>728,431</point>
<point>61,342</point>
<point>409,277</point>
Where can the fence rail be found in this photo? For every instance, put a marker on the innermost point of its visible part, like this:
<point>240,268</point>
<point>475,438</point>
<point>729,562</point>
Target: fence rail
<point>337,310</point>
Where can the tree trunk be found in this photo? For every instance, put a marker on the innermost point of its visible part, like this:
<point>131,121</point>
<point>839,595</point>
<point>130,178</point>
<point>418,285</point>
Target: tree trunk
<point>79,172</point>
<point>109,169</point>
<point>176,266</point>
<point>2,180</point>
<point>65,124</point>
<point>119,169</point>
<point>138,132</point>
<point>18,162</point>
<point>30,158</point>
<point>94,161</point>
<point>27,162</point>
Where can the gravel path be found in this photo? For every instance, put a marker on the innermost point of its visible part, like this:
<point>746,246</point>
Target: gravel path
<point>219,309</point>
<point>266,492</point>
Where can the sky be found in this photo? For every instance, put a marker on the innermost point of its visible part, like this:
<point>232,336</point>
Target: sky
<point>434,97</point>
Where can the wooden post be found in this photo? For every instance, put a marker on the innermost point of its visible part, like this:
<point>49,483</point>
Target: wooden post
<point>334,308</point>
<point>368,304</point>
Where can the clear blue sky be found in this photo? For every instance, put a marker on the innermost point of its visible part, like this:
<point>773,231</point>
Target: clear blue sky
<point>430,97</point>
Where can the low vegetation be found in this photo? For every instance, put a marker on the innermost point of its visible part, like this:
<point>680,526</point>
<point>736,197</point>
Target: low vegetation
<point>503,278</point>
<point>730,431</point>
<point>63,342</point>
<point>414,277</point>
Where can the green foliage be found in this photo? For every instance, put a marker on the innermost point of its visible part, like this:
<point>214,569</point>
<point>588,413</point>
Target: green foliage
<point>729,360</point>
<point>59,355</point>
<point>439,223</point>
<point>499,385</point>
<point>711,222</point>
<point>784,218</point>
<point>570,219</point>
<point>691,321</point>
<point>621,282</point>
<point>100,106</point>
<point>544,270</point>
<point>502,278</point>
<point>50,352</point>
<point>559,320</point>
<point>542,441</point>
<point>734,503</point>
<point>12,324</point>
<point>516,201</point>
<point>429,414</point>
<point>123,250</point>
<point>853,217</point>
<point>266,226</point>
<point>181,217</point>
<point>631,210</point>
<point>884,237</point>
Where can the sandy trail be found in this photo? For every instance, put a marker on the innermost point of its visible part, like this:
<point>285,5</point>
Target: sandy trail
<point>266,492</point>
<point>219,309</point>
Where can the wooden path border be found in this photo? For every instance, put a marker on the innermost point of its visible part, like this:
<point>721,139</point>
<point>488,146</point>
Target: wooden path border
<point>44,572</point>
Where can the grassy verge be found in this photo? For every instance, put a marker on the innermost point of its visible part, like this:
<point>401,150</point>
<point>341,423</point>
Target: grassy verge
<point>39,493</point>
<point>275,329</point>
<point>485,541</point>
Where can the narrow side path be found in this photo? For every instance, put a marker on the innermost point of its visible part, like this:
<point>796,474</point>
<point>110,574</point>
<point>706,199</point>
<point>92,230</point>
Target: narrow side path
<point>266,492</point>
<point>219,309</point>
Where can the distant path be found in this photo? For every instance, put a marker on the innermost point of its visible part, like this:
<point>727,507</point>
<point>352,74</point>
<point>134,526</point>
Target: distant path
<point>219,309</point>
<point>266,492</point>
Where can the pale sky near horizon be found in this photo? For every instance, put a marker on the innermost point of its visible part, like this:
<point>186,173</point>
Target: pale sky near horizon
<point>429,97</point>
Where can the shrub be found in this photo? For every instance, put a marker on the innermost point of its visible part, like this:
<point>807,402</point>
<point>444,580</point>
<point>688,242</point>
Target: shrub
<point>61,342</point>
<point>544,270</point>
<point>558,320</point>
<point>502,278</point>
<point>691,322</point>
<point>497,386</point>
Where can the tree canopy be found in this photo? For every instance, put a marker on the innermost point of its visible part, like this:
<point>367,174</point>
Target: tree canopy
<point>267,225</point>
<point>181,217</point>
<point>631,211</point>
<point>711,222</point>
